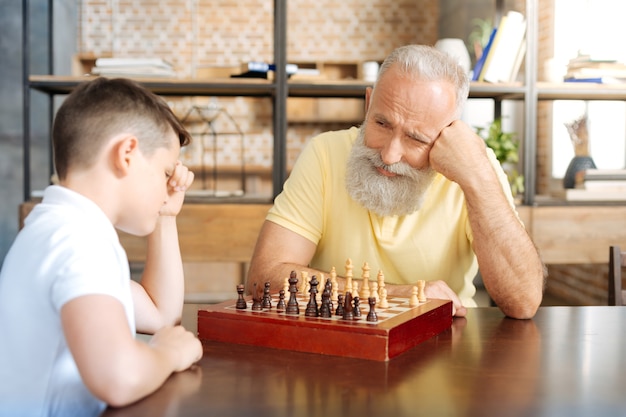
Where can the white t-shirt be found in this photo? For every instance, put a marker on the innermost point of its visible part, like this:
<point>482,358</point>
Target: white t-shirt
<point>68,248</point>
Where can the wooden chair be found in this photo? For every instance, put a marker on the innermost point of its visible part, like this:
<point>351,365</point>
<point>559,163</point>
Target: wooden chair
<point>617,261</point>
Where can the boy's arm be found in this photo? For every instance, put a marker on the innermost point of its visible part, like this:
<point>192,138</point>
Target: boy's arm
<point>159,298</point>
<point>116,367</point>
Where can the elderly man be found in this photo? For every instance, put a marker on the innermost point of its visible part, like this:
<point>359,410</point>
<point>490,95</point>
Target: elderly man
<point>414,192</point>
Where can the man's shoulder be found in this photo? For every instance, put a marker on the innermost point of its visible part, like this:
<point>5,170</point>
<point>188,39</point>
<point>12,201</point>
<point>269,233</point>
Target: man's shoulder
<point>336,137</point>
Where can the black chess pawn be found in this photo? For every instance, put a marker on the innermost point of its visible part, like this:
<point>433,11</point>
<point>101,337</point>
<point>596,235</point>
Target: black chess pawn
<point>311,307</point>
<point>292,304</point>
<point>357,308</point>
<point>257,303</point>
<point>372,316</point>
<point>281,301</point>
<point>241,302</point>
<point>339,311</point>
<point>348,308</point>
<point>267,298</point>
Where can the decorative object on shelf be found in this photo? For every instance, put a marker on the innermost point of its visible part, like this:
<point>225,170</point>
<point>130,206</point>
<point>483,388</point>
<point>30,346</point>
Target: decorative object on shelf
<point>506,147</point>
<point>455,48</point>
<point>579,135</point>
<point>203,122</point>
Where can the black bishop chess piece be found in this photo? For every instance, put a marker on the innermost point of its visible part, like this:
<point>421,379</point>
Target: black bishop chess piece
<point>311,307</point>
<point>241,302</point>
<point>372,316</point>
<point>292,304</point>
<point>348,313</point>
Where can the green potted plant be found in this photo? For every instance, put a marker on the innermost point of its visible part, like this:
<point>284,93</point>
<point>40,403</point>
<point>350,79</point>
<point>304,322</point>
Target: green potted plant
<point>506,147</point>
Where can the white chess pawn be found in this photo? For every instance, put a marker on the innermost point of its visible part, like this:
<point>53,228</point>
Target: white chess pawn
<point>383,298</point>
<point>421,296</point>
<point>374,292</point>
<point>413,301</point>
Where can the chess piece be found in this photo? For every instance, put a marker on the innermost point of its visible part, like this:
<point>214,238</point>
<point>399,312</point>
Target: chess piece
<point>339,311</point>
<point>267,298</point>
<point>326,308</point>
<point>355,289</point>
<point>348,309</point>
<point>413,301</point>
<point>357,308</point>
<point>281,301</point>
<point>292,304</point>
<point>335,289</point>
<point>365,288</point>
<point>383,299</point>
<point>241,302</point>
<point>421,295</point>
<point>329,287</point>
<point>374,292</point>
<point>381,282</point>
<point>257,303</point>
<point>311,307</point>
<point>348,275</point>
<point>305,281</point>
<point>372,316</point>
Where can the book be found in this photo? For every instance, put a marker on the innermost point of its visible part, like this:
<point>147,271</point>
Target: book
<point>518,61</point>
<point>132,62</point>
<point>607,185</point>
<point>578,194</point>
<point>480,62</point>
<point>494,45</point>
<point>597,80</point>
<point>591,72</point>
<point>506,51</point>
<point>604,174</point>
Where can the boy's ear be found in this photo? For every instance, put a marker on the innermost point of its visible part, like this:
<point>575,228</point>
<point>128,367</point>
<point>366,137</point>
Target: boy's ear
<point>124,151</point>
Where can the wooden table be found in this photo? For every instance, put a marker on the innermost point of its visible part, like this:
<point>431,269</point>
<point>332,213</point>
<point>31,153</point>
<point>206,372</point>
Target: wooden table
<point>567,361</point>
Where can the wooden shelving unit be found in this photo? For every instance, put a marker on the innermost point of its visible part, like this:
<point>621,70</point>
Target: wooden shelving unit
<point>557,244</point>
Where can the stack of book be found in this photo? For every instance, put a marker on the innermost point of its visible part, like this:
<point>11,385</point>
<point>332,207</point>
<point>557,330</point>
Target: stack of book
<point>503,55</point>
<point>585,68</point>
<point>133,67</point>
<point>599,185</point>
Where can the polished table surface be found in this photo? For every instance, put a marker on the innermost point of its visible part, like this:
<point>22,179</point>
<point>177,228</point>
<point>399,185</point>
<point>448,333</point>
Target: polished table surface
<point>567,361</point>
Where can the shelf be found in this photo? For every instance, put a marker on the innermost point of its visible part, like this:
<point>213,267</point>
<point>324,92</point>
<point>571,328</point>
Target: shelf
<point>580,91</point>
<point>51,84</point>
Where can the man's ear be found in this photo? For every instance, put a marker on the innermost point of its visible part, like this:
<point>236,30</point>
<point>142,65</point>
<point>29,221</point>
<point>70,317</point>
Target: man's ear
<point>368,95</point>
<point>125,149</point>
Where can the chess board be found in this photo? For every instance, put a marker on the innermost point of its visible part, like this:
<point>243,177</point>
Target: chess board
<point>399,328</point>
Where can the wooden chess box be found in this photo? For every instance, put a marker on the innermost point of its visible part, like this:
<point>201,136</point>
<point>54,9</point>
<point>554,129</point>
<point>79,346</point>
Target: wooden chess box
<point>398,329</point>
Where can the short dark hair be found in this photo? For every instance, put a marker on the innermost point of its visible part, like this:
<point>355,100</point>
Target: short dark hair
<point>99,109</point>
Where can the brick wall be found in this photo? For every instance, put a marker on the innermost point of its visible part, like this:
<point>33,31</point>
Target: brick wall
<point>197,34</point>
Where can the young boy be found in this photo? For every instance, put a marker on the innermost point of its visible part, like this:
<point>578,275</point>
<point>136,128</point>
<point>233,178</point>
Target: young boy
<point>68,308</point>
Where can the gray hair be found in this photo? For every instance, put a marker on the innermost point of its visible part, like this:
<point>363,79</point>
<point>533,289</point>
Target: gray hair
<point>427,63</point>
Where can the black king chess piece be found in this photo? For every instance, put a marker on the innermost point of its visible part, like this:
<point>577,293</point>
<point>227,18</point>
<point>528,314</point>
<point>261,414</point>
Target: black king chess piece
<point>292,304</point>
<point>311,307</point>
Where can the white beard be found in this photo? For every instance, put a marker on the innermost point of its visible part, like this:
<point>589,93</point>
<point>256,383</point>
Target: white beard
<point>386,196</point>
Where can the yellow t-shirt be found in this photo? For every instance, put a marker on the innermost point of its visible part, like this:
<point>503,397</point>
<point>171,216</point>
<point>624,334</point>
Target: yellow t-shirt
<point>432,243</point>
